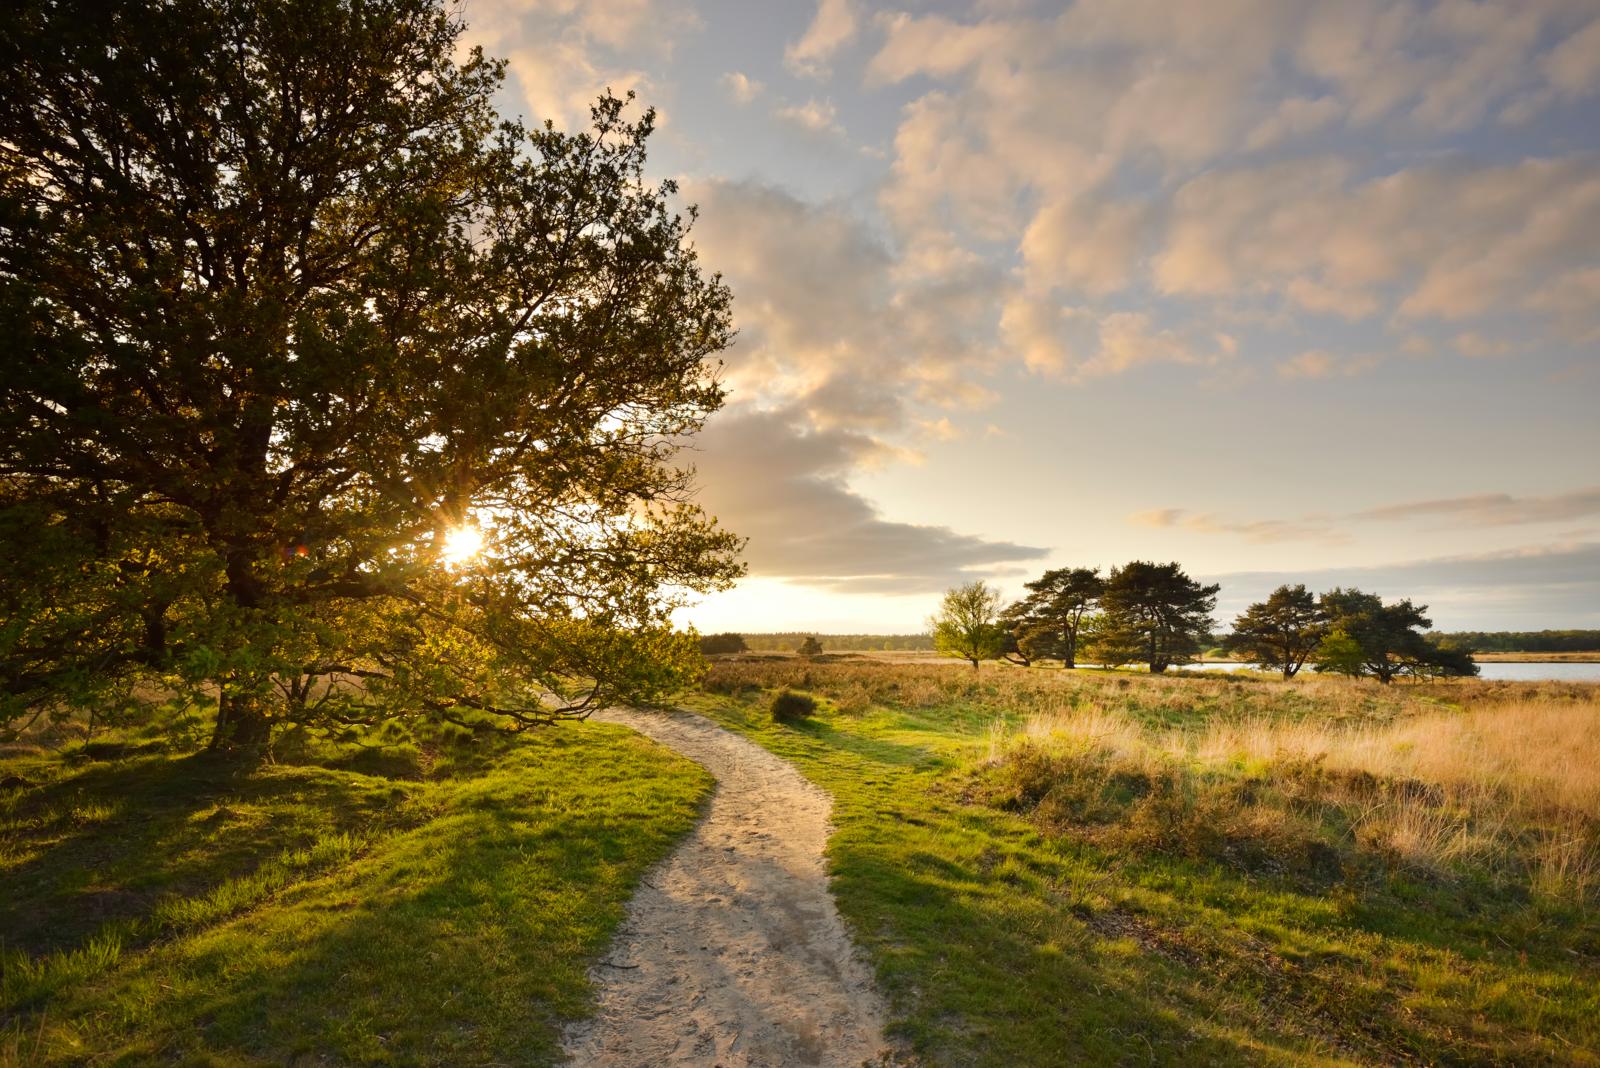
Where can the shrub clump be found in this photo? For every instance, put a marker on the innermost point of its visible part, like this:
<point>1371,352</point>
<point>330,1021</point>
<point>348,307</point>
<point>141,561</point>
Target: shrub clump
<point>791,707</point>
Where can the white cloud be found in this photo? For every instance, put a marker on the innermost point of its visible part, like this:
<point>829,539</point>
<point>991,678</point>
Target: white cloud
<point>741,86</point>
<point>1085,243</point>
<point>1032,121</point>
<point>1447,242</point>
<point>1471,343</point>
<point>565,53</point>
<point>831,29</point>
<point>1573,66</point>
<point>1266,531</point>
<point>1077,344</point>
<point>1495,509</point>
<point>1295,117</point>
<point>827,323</point>
<point>814,115</point>
<point>1319,363</point>
<point>1480,510</point>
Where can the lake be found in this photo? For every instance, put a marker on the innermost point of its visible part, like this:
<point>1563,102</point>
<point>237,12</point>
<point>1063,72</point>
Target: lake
<point>1515,672</point>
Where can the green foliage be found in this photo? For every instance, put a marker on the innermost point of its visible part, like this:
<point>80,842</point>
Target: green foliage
<point>174,907</point>
<point>286,303</point>
<point>810,646</point>
<point>791,707</point>
<point>1160,607</point>
<point>1386,640</point>
<point>1280,633</point>
<point>965,625</point>
<point>1110,641</point>
<point>1339,653</point>
<point>722,643</point>
<point>1046,623</point>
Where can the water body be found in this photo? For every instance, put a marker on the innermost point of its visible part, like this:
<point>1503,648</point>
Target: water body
<point>1516,672</point>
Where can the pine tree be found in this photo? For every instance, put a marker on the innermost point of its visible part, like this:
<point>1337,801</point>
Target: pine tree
<point>1281,632</point>
<point>1167,610</point>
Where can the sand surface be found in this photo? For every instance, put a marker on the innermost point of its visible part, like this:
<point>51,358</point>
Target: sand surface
<point>732,953</point>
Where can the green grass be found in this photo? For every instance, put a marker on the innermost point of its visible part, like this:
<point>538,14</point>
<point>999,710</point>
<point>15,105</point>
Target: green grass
<point>416,904</point>
<point>1003,939</point>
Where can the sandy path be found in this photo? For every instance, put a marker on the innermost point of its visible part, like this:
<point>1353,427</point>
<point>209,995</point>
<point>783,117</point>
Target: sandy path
<point>732,953</point>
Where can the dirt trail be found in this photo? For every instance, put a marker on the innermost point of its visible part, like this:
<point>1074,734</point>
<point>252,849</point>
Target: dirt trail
<point>732,953</point>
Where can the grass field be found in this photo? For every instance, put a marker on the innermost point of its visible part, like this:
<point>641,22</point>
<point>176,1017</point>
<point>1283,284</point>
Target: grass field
<point>1054,868</point>
<point>420,902</point>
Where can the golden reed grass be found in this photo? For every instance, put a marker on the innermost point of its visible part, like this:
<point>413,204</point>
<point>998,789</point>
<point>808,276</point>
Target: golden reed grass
<point>1509,786</point>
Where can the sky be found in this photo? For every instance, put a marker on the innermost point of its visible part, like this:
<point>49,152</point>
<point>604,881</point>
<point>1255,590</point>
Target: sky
<point>1284,291</point>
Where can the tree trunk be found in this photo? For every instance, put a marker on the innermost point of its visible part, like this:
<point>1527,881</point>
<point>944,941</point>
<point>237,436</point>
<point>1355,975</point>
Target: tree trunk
<point>1070,660</point>
<point>242,724</point>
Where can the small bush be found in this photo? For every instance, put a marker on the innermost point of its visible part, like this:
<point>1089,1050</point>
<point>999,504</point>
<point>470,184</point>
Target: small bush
<point>791,707</point>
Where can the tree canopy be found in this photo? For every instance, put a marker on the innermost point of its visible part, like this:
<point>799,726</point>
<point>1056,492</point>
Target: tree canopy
<point>1280,633</point>
<point>1046,622</point>
<point>294,320</point>
<point>1157,607</point>
<point>965,625</point>
<point>1368,637</point>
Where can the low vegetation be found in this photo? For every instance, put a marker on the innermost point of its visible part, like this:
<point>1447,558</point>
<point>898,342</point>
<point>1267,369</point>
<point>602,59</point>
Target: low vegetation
<point>790,707</point>
<point>393,898</point>
<point>1085,867</point>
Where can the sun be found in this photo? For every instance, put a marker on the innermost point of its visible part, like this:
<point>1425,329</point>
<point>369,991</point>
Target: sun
<point>461,544</point>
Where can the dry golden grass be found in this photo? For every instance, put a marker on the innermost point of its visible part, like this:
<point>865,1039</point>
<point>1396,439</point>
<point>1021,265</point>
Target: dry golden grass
<point>1500,779</point>
<point>1508,787</point>
<point>855,683</point>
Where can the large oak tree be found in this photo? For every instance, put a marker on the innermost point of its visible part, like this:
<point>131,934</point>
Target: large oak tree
<point>290,318</point>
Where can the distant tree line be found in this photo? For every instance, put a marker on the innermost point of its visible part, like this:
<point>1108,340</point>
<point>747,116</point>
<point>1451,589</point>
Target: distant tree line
<point>723,643</point>
<point>1156,615</point>
<point>802,643</point>
<point>1524,641</point>
<point>789,641</point>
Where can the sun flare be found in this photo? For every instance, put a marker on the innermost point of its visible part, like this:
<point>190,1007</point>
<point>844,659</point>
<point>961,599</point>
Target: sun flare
<point>461,544</point>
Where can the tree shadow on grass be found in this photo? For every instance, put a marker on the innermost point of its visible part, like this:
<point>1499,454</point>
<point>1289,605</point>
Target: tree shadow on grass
<point>102,845</point>
<point>464,941</point>
<point>878,750</point>
<point>1036,989</point>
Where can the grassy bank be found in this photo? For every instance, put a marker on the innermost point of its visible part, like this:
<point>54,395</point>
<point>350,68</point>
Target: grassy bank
<point>1078,868</point>
<point>1538,658</point>
<point>404,900</point>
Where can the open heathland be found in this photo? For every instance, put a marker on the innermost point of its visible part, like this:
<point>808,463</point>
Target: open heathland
<point>1055,867</point>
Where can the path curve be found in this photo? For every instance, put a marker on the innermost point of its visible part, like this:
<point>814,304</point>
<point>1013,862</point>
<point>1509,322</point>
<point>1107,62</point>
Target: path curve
<point>732,953</point>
